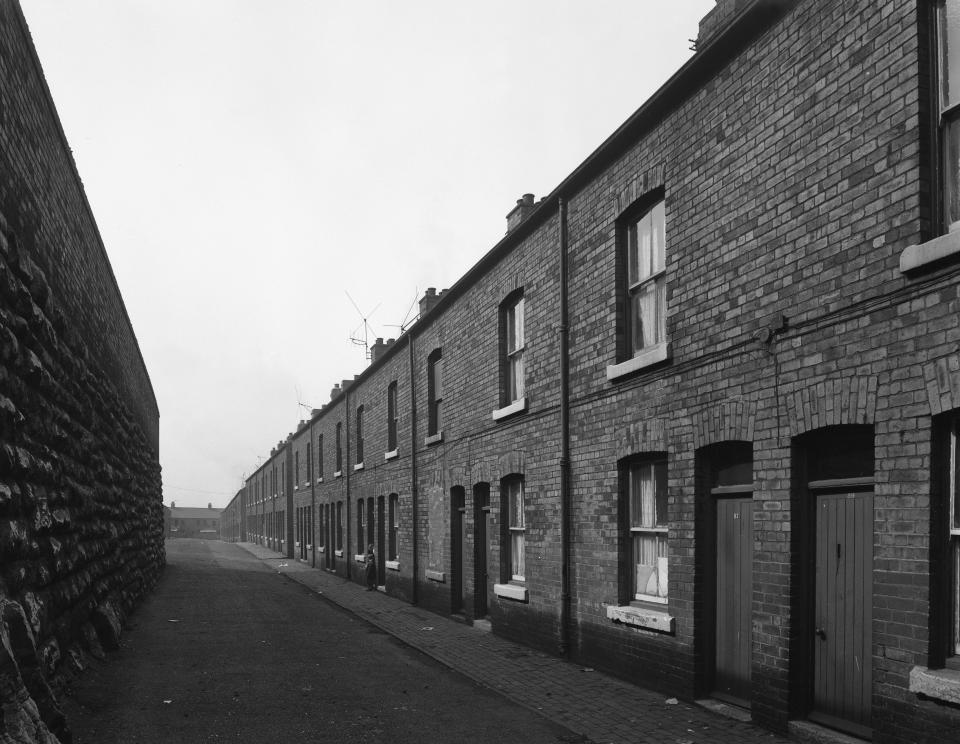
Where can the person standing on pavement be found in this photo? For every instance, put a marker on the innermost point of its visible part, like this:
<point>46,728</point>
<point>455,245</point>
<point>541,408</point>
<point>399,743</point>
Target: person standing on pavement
<point>370,560</point>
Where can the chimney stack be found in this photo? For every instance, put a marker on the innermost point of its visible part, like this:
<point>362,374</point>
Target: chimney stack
<point>519,213</point>
<point>376,351</point>
<point>336,391</point>
<point>717,20</point>
<point>429,300</point>
<point>209,505</point>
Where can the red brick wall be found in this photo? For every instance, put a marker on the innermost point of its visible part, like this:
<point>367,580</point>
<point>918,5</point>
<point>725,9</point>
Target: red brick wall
<point>793,172</point>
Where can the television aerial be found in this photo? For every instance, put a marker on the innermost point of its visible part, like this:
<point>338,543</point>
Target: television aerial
<point>301,405</point>
<point>404,324</point>
<point>355,337</point>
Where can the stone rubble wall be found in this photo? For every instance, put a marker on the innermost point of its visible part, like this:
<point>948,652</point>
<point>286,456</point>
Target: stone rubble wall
<point>81,515</point>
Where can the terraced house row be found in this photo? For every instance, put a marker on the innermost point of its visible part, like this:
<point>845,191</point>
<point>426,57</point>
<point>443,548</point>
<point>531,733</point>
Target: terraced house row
<point>694,419</point>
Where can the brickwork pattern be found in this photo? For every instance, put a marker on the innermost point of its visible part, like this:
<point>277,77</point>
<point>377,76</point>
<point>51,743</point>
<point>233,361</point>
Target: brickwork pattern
<point>793,176</point>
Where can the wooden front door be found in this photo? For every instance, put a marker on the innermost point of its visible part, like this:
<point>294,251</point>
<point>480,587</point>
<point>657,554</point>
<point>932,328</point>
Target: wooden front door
<point>458,543</point>
<point>843,598</point>
<point>381,544</point>
<point>481,519</point>
<point>734,598</point>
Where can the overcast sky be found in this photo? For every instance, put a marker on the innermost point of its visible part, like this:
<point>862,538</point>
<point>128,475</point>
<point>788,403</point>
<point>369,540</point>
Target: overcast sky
<point>250,163</point>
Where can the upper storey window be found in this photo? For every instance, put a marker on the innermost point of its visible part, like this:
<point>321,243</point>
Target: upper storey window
<point>642,287</point>
<point>359,435</point>
<point>339,448</point>
<point>434,392</point>
<point>514,342</point>
<point>646,280</point>
<point>948,68</point>
<point>392,417</point>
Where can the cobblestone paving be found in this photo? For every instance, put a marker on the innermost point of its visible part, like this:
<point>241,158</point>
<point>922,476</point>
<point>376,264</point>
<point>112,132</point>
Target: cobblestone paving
<point>601,708</point>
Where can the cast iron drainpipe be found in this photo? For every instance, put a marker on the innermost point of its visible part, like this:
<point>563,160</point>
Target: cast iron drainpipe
<point>346,474</point>
<point>313,499</point>
<point>413,468</point>
<point>564,440</point>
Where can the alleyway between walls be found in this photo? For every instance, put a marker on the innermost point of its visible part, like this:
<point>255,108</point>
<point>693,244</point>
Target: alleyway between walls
<point>228,648</point>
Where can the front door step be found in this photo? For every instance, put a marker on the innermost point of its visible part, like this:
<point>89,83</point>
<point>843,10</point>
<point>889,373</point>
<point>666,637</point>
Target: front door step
<point>810,733</point>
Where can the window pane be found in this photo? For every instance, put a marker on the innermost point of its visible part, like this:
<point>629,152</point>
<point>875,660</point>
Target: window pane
<point>648,311</point>
<point>658,236</point>
<point>642,502</point>
<point>515,490</point>
<point>955,548</point>
<point>645,246</point>
<point>949,40</point>
<point>660,486</point>
<point>515,382</point>
<point>954,478</point>
<point>514,323</point>
<point>650,564</point>
<point>519,317</point>
<point>951,172</point>
<point>517,564</point>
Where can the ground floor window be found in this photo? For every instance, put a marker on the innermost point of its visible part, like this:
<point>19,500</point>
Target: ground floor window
<point>645,515</point>
<point>394,546</point>
<point>339,525</point>
<point>514,548</point>
<point>946,522</point>
<point>360,543</point>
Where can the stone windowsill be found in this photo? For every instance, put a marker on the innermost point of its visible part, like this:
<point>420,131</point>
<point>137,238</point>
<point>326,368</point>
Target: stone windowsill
<point>338,553</point>
<point>940,684</point>
<point>392,565</point>
<point>296,544</point>
<point>518,406</point>
<point>433,439</point>
<point>916,257</point>
<point>320,479</point>
<point>296,488</point>
<point>642,617</point>
<point>391,455</point>
<point>435,575</point>
<point>358,466</point>
<point>646,358</point>
<point>511,591</point>
<point>359,557</point>
<point>321,549</point>
<point>338,474</point>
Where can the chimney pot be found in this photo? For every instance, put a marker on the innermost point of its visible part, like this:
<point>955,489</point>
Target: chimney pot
<point>718,19</point>
<point>376,351</point>
<point>525,205</point>
<point>428,300</point>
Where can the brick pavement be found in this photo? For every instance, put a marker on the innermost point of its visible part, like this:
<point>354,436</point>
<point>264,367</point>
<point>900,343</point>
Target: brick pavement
<point>599,707</point>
